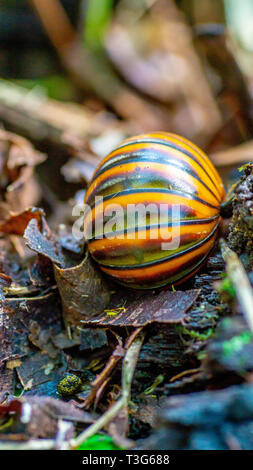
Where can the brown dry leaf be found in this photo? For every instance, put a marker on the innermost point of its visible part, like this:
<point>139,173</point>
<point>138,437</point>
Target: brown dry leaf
<point>40,415</point>
<point>166,307</point>
<point>35,370</point>
<point>18,278</point>
<point>13,407</point>
<point>16,317</point>
<point>43,339</point>
<point>18,184</point>
<point>83,291</point>
<point>43,243</point>
<point>16,223</point>
<point>148,407</point>
<point>7,382</point>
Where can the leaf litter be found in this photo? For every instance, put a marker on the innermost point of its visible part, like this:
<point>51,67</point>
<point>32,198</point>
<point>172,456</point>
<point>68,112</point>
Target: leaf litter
<point>61,322</point>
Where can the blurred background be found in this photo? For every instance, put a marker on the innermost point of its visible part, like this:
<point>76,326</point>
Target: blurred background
<point>78,76</point>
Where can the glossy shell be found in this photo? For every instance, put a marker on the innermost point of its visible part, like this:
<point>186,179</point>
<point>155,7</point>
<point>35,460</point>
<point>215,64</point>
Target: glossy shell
<point>158,168</point>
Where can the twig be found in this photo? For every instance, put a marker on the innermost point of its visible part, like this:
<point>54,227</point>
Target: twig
<point>104,376</point>
<point>129,364</point>
<point>55,22</point>
<point>68,125</point>
<point>184,373</point>
<point>108,369</point>
<point>64,427</point>
<point>40,117</point>
<point>234,156</point>
<point>32,444</point>
<point>239,279</point>
<point>92,71</point>
<point>181,87</point>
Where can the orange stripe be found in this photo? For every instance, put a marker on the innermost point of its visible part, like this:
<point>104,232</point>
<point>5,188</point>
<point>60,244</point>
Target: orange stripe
<point>186,145</point>
<point>113,248</point>
<point>166,172</point>
<point>177,154</point>
<point>158,270</point>
<point>199,210</point>
<point>189,146</point>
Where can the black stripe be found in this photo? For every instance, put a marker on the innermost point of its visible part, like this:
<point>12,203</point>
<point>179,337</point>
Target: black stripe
<point>159,226</point>
<point>134,156</point>
<point>171,145</point>
<point>174,192</point>
<point>163,260</point>
<point>170,280</point>
<point>155,159</point>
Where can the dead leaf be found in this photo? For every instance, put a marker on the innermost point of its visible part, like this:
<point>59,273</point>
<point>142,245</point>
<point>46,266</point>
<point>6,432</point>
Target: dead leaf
<point>16,315</point>
<point>13,364</point>
<point>166,307</point>
<point>40,415</point>
<point>16,223</point>
<point>7,381</point>
<point>83,290</point>
<point>44,244</point>
<point>35,370</point>
<point>18,183</point>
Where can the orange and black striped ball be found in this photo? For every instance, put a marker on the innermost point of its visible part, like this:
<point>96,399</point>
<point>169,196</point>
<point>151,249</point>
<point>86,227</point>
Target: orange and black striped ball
<point>155,171</point>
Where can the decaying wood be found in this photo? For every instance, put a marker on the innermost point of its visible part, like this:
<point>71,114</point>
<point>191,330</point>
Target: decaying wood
<point>239,279</point>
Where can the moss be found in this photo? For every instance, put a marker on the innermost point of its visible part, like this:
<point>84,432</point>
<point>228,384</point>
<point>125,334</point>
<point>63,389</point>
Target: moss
<point>195,334</point>
<point>236,343</point>
<point>226,291</point>
<point>69,385</point>
<point>240,236</point>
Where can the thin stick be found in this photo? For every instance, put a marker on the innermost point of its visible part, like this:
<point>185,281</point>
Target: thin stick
<point>32,444</point>
<point>91,71</point>
<point>55,22</point>
<point>129,364</point>
<point>239,279</point>
<point>234,156</point>
<point>109,368</point>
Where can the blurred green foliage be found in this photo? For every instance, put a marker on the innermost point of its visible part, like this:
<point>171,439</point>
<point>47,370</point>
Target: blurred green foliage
<point>56,87</point>
<point>239,17</point>
<point>236,343</point>
<point>97,18</point>
<point>227,287</point>
<point>99,442</point>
